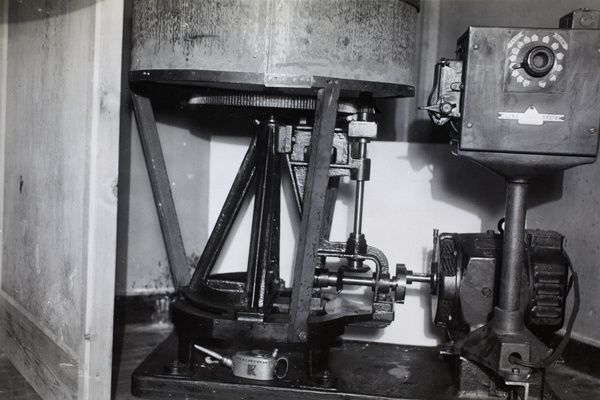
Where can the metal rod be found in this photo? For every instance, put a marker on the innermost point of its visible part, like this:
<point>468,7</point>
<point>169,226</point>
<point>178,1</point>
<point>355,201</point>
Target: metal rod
<point>231,207</point>
<point>358,281</point>
<point>358,206</point>
<point>514,245</point>
<point>161,188</point>
<point>265,226</point>
<point>332,279</point>
<point>211,353</point>
<point>360,191</point>
<point>418,277</point>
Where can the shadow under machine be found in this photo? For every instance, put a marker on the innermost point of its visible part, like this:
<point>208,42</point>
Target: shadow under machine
<point>310,72</point>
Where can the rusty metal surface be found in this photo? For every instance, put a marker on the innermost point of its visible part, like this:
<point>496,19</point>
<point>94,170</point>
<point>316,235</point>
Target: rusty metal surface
<point>286,41</point>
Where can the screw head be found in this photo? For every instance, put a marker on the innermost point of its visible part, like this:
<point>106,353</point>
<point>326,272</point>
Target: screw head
<point>592,130</point>
<point>302,335</point>
<point>475,47</point>
<point>469,125</point>
<point>446,108</point>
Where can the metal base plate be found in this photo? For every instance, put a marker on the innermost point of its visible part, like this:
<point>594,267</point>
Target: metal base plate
<point>363,370</point>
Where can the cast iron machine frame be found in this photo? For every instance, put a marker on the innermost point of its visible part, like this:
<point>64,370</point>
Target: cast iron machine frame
<point>256,307</point>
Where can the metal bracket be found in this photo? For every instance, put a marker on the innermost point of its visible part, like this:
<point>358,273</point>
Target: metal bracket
<point>524,385</point>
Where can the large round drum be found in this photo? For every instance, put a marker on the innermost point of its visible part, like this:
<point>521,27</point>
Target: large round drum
<point>276,43</point>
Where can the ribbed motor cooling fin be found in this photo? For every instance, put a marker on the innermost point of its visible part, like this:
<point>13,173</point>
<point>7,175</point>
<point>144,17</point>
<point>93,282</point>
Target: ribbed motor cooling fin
<point>548,294</point>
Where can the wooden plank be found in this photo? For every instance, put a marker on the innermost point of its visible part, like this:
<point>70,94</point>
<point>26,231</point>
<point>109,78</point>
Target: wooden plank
<point>95,369</point>
<point>62,128</point>
<point>3,91</point>
<point>12,385</point>
<point>35,353</point>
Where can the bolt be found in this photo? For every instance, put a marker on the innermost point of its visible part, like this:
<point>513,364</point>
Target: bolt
<point>592,130</point>
<point>475,47</point>
<point>586,20</point>
<point>486,292</point>
<point>446,108</point>
<point>516,370</point>
<point>302,335</point>
<point>469,125</point>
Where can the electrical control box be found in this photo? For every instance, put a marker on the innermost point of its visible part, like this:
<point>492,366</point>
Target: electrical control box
<point>533,91</point>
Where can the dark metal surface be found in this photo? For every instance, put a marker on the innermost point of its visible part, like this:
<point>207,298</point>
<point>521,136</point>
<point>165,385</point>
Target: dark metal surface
<point>285,42</point>
<point>466,284</point>
<point>513,246</point>
<point>161,187</point>
<point>553,116</point>
<point>312,211</point>
<point>539,112</point>
<point>365,371</point>
<point>263,257</point>
<point>403,369</point>
<point>255,82</point>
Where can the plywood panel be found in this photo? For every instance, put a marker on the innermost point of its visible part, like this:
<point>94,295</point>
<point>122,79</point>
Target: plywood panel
<point>41,359</point>
<point>47,120</point>
<point>62,115</point>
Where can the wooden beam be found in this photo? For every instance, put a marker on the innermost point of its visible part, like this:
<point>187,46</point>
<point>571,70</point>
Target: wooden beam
<point>49,368</point>
<point>101,199</point>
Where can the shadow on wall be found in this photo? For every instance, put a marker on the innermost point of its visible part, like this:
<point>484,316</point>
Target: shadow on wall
<point>469,186</point>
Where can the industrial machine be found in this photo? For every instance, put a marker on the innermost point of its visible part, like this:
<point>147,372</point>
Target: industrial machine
<point>498,294</point>
<point>311,73</point>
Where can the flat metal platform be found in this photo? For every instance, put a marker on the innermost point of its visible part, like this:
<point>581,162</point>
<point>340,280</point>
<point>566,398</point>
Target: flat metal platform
<point>364,371</point>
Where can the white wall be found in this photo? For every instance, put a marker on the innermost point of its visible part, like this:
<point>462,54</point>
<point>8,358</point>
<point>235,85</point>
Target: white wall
<point>410,193</point>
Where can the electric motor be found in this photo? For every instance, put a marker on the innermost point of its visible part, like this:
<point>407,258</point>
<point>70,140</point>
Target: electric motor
<point>466,270</point>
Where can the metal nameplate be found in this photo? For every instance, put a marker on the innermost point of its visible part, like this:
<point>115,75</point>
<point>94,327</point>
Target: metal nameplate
<point>531,117</point>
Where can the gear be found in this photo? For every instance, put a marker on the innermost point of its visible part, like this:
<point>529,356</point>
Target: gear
<point>266,100</point>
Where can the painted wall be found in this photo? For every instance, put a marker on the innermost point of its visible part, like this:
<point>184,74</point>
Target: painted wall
<point>416,184</point>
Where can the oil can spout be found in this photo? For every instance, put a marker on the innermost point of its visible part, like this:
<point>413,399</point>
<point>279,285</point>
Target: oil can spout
<point>224,360</point>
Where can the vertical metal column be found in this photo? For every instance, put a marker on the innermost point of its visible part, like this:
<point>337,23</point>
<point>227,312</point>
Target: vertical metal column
<point>264,239</point>
<point>514,245</point>
<point>161,188</point>
<point>312,209</point>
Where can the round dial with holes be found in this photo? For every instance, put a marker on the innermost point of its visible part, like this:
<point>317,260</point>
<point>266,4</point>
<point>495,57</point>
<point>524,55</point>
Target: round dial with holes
<point>537,59</point>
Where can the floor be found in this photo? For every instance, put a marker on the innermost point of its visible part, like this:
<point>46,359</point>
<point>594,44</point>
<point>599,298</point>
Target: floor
<point>134,343</point>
